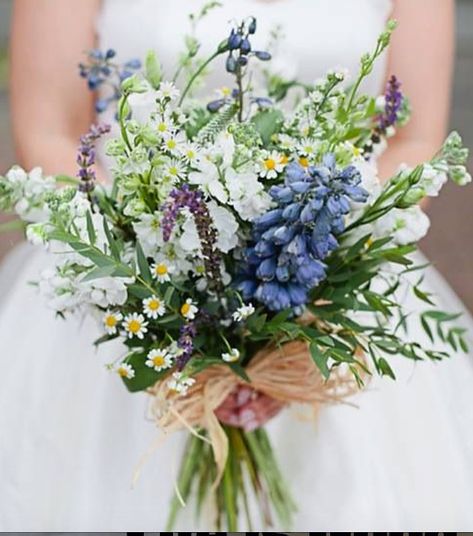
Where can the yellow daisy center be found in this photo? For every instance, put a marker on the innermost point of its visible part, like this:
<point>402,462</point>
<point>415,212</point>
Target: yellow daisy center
<point>134,326</point>
<point>154,305</point>
<point>161,269</point>
<point>304,162</point>
<point>356,151</point>
<point>270,164</point>
<point>190,154</point>
<point>186,307</point>
<point>162,127</point>
<point>110,321</point>
<point>284,160</point>
<point>171,144</point>
<point>123,372</point>
<point>226,91</point>
<point>158,360</point>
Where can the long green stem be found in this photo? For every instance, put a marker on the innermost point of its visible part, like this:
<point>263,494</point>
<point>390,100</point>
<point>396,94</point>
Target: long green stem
<point>199,71</point>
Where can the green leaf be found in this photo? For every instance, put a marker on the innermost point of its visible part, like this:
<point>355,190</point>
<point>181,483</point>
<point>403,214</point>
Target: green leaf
<point>92,253</point>
<point>320,359</point>
<point>424,296</point>
<point>143,264</point>
<point>90,228</point>
<point>144,376</point>
<point>152,69</point>
<point>112,243</point>
<point>97,273</point>
<point>384,368</point>
<point>268,123</point>
<point>240,371</point>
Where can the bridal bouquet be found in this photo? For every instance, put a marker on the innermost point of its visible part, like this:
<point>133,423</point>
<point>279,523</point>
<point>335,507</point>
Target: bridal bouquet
<point>245,248</point>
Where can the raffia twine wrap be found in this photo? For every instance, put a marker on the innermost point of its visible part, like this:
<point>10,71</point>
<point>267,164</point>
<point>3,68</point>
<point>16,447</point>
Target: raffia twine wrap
<point>286,373</point>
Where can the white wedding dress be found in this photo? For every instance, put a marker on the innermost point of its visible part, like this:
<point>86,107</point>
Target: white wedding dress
<point>71,436</point>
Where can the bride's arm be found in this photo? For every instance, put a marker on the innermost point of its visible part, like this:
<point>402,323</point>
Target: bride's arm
<point>50,104</point>
<point>421,56</point>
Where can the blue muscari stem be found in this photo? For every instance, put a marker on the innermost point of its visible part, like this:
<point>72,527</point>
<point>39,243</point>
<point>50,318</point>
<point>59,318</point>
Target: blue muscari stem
<point>100,70</point>
<point>291,241</point>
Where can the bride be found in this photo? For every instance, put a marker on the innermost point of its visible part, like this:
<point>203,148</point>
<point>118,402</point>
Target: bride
<point>70,433</point>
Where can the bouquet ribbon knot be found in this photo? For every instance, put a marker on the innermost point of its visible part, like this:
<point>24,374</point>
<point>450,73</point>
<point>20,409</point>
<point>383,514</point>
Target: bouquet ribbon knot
<point>286,373</point>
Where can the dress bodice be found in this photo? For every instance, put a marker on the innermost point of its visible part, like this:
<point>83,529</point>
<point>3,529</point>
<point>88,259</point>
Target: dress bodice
<point>318,34</point>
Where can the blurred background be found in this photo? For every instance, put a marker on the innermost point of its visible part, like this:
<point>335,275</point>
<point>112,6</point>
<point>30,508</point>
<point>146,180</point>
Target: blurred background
<point>449,244</point>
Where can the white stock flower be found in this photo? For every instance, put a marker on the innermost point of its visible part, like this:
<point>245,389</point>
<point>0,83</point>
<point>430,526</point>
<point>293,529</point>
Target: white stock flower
<point>208,178</point>
<point>226,226</point>
<point>148,231</point>
<point>432,180</point>
<point>247,194</point>
<point>405,226</point>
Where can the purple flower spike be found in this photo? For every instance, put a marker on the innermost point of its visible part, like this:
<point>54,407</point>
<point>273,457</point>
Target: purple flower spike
<point>185,343</point>
<point>86,156</point>
<point>394,98</point>
<point>193,200</point>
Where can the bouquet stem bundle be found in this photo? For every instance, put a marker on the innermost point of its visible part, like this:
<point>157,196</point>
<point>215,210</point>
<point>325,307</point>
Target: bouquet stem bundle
<point>223,461</point>
<point>251,474</point>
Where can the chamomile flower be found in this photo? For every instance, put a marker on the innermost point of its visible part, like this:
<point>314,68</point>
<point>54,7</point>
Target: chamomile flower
<point>175,170</point>
<point>180,383</point>
<point>307,147</point>
<point>161,271</point>
<point>153,307</point>
<point>125,370</point>
<point>167,91</point>
<point>288,143</point>
<point>190,152</point>
<point>159,359</point>
<point>223,92</point>
<point>271,165</point>
<point>189,309</point>
<point>174,143</point>
<point>243,312</point>
<point>110,321</point>
<point>135,325</point>
<point>165,127</point>
<point>232,356</point>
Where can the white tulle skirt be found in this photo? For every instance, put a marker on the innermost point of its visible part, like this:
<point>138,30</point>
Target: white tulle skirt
<point>71,436</point>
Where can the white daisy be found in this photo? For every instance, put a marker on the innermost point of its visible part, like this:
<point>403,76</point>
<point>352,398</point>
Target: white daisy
<point>153,307</point>
<point>189,309</point>
<point>159,359</point>
<point>175,170</point>
<point>180,383</point>
<point>190,152</point>
<point>110,321</point>
<point>174,143</point>
<point>125,371</point>
<point>307,147</point>
<point>272,164</point>
<point>223,92</point>
<point>161,271</point>
<point>168,91</point>
<point>243,312</point>
<point>232,356</point>
<point>165,126</point>
<point>135,325</point>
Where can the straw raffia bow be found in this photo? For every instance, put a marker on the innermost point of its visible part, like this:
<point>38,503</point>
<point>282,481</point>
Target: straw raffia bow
<point>286,373</point>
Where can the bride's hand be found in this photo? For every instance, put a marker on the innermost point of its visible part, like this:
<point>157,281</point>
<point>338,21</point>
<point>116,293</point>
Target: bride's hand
<point>248,409</point>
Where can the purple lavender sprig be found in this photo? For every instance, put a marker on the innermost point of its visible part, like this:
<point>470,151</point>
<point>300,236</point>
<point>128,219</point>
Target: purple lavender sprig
<point>393,97</point>
<point>86,157</point>
<point>184,197</point>
<point>185,343</point>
